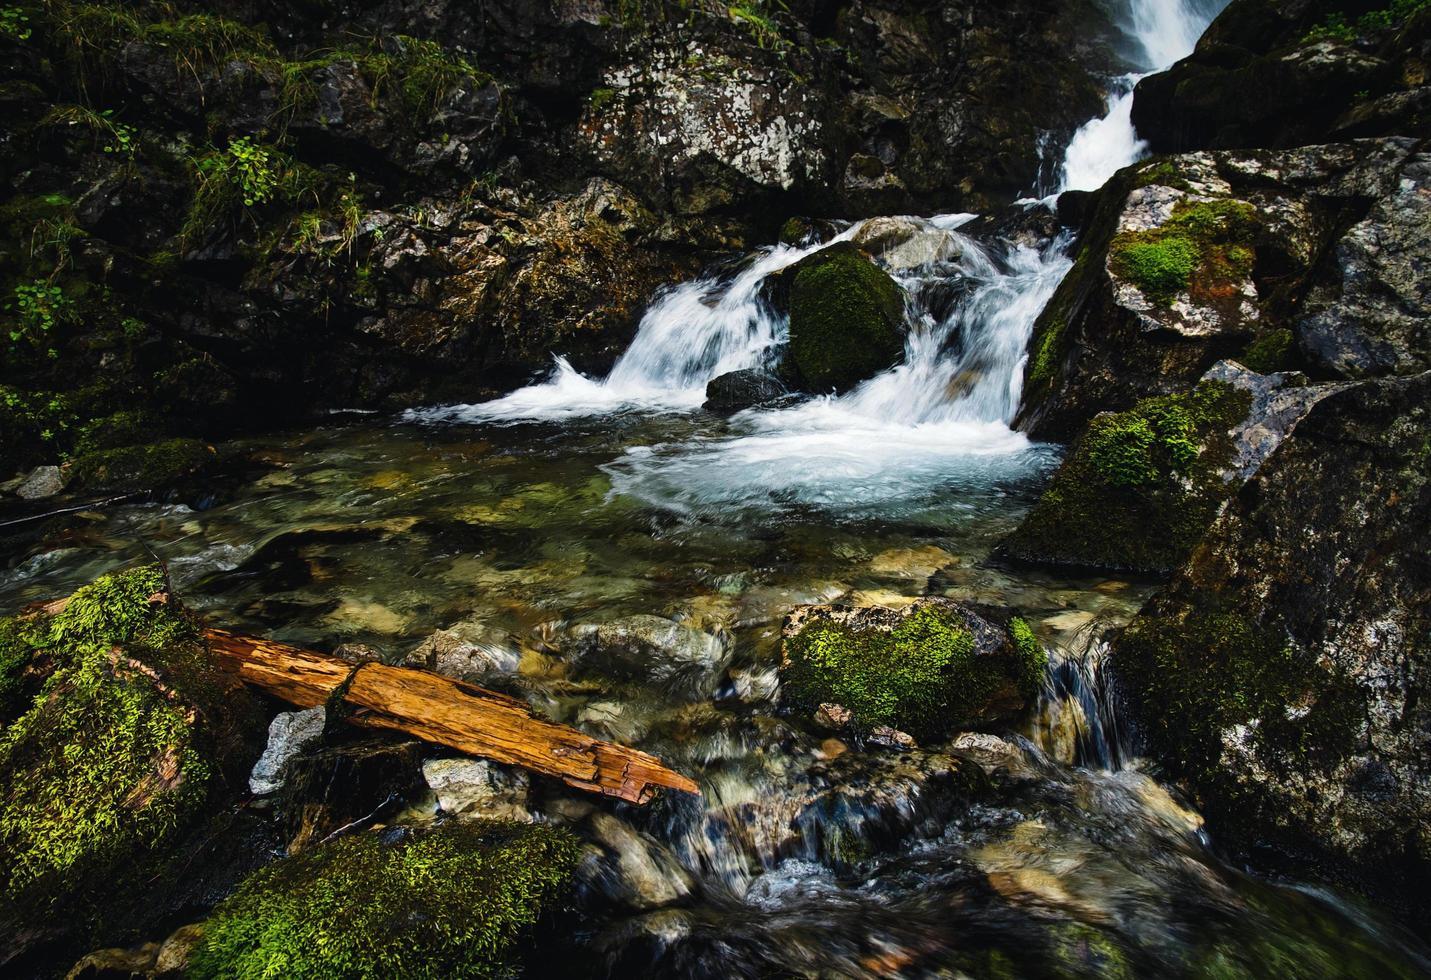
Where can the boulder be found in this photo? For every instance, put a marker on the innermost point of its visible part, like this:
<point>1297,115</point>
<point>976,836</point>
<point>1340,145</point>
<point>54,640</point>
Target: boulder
<point>1308,257</point>
<point>1282,673</point>
<point>288,734</point>
<point>352,783</point>
<point>633,868</point>
<point>846,319</point>
<point>1139,488</point>
<point>926,669</point>
<point>736,391</point>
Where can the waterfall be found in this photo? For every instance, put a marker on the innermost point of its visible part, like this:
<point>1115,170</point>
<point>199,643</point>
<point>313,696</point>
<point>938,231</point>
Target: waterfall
<point>941,415</point>
<point>1162,32</point>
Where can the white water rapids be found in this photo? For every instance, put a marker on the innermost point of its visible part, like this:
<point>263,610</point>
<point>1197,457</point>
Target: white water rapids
<point>940,417</point>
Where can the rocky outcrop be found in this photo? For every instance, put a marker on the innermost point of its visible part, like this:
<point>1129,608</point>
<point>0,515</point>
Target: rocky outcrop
<point>1309,257</point>
<point>1282,674</point>
<point>1276,73</point>
<point>924,670</point>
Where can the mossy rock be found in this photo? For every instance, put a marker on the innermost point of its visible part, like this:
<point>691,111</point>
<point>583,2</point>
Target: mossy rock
<point>846,319</point>
<point>1205,247</point>
<point>927,670</point>
<point>133,469</point>
<point>1138,488</point>
<point>118,749</point>
<point>451,903</point>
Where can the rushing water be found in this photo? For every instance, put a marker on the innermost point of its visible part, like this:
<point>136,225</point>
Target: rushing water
<point>1041,850</point>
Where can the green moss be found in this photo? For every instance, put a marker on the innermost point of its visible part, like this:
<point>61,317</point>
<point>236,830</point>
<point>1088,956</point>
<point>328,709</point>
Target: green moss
<point>1047,351</point>
<point>1032,657</point>
<point>105,762</point>
<point>1204,247</point>
<point>136,468</point>
<point>1269,353</point>
<point>451,903</point>
<point>1139,487</point>
<point>600,98</point>
<point>1201,675</point>
<point>1162,173</point>
<point>846,319</point>
<point>921,677</point>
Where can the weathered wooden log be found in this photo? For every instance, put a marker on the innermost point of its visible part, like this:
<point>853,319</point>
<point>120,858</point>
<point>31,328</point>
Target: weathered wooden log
<point>446,712</point>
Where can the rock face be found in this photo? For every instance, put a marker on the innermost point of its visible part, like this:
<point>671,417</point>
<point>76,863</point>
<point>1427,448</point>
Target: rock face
<point>1283,672</point>
<point>1274,73</point>
<point>846,319</point>
<point>1309,257</point>
<point>925,670</point>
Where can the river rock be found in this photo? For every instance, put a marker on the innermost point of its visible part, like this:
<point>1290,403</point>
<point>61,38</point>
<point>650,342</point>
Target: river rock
<point>1191,259</point>
<point>1282,672</point>
<point>468,650</point>
<point>923,669</point>
<point>42,482</point>
<point>289,733</point>
<point>907,244</point>
<point>736,391</point>
<point>634,868</point>
<point>651,648</point>
<point>846,319</point>
<point>476,789</point>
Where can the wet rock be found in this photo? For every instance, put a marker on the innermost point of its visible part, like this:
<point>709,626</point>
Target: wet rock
<point>1205,256</point>
<point>634,869</point>
<point>653,648</point>
<point>736,391</point>
<point>289,733</point>
<point>342,785</point>
<point>1279,402</point>
<point>177,950</point>
<point>476,789</point>
<point>846,319</point>
<point>133,469</point>
<point>42,482</point>
<point>1282,671</point>
<point>924,669</point>
<point>468,650</point>
<point>907,244</point>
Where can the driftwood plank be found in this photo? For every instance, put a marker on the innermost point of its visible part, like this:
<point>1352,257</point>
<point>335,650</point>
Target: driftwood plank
<point>447,712</point>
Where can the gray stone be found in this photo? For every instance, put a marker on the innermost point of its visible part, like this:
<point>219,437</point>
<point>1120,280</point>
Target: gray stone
<point>288,733</point>
<point>651,648</point>
<point>476,789</point>
<point>42,482</point>
<point>468,650</point>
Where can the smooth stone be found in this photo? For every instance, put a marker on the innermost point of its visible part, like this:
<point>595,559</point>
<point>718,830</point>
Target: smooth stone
<point>644,874</point>
<point>467,650</point>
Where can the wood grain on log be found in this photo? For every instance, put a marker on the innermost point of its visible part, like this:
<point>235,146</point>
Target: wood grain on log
<point>446,712</point>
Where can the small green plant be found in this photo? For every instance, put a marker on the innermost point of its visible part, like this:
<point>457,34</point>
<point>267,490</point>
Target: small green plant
<point>39,307</point>
<point>121,137</point>
<point>14,24</point>
<point>249,165</point>
<point>1336,27</point>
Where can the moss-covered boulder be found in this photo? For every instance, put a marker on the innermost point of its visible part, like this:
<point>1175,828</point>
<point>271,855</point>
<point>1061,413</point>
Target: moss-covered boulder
<point>846,319</point>
<point>117,750</point>
<point>451,903</point>
<point>927,670</point>
<point>1283,673</point>
<point>1138,488</point>
<point>133,469</point>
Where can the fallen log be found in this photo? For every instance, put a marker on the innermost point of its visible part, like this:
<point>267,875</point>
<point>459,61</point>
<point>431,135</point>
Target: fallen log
<point>446,712</point>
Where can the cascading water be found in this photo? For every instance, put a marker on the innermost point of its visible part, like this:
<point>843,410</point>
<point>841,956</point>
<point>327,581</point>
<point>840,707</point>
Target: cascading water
<point>1161,32</point>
